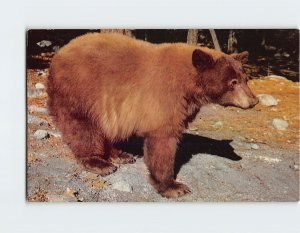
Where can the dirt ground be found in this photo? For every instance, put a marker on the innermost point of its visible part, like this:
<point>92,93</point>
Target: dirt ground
<point>227,154</point>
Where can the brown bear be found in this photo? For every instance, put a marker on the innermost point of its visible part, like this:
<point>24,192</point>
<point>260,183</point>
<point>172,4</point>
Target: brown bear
<point>103,88</point>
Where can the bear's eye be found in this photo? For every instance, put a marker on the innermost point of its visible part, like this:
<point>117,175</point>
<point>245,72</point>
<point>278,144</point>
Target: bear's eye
<point>233,82</point>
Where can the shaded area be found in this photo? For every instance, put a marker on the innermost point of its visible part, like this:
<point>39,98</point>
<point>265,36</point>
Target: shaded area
<point>134,145</point>
<point>189,145</point>
<point>194,144</point>
<point>37,63</point>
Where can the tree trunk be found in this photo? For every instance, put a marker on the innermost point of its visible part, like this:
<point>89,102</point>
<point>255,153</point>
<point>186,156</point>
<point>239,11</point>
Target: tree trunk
<point>232,43</point>
<point>215,39</point>
<point>192,36</point>
<point>119,31</point>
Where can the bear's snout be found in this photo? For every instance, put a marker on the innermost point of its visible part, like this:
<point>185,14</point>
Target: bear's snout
<point>245,98</point>
<point>241,97</point>
<point>251,103</point>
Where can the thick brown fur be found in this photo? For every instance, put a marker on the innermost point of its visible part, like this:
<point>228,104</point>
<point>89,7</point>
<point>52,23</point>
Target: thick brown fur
<point>103,88</point>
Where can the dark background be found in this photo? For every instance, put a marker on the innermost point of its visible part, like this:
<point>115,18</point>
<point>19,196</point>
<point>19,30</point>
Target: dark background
<point>272,51</point>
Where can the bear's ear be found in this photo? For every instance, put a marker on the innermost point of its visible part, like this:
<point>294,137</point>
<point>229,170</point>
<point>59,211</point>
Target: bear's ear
<point>241,57</point>
<point>202,60</point>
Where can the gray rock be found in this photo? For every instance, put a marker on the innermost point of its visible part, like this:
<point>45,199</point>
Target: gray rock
<point>267,100</point>
<point>36,121</point>
<point>280,124</point>
<point>277,55</point>
<point>35,93</point>
<point>270,47</point>
<point>202,36</point>
<point>122,186</point>
<point>41,134</point>
<point>40,86</point>
<point>236,143</point>
<point>254,146</point>
<point>285,54</point>
<point>44,43</point>
<point>55,48</point>
<point>294,166</point>
<point>55,134</point>
<point>34,108</point>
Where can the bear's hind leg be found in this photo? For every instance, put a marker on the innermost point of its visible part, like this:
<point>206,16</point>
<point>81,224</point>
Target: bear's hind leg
<point>86,141</point>
<point>93,151</point>
<point>159,156</point>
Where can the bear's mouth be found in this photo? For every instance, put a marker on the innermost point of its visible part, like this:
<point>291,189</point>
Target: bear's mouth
<point>236,105</point>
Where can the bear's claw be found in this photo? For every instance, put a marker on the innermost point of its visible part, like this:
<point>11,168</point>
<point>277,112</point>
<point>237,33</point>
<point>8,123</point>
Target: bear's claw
<point>175,190</point>
<point>99,166</point>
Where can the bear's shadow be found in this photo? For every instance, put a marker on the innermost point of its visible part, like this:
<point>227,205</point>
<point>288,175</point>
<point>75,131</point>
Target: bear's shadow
<point>189,145</point>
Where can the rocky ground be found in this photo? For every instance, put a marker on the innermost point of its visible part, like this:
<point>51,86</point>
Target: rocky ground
<point>227,154</point>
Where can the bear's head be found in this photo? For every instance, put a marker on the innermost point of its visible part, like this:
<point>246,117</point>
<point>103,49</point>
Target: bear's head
<point>223,79</point>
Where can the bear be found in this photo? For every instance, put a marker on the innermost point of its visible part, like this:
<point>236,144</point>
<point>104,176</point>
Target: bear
<point>104,88</point>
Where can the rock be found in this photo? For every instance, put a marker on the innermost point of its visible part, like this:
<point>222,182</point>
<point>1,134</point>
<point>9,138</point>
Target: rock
<point>41,134</point>
<point>44,43</point>
<point>34,108</point>
<point>55,48</point>
<point>280,124</point>
<point>294,166</point>
<point>274,77</point>
<point>122,186</point>
<point>267,100</point>
<point>214,107</point>
<point>241,145</point>
<point>55,198</point>
<point>70,195</point>
<point>193,128</point>
<point>35,93</point>
<point>218,125</point>
<point>202,36</point>
<point>268,159</point>
<point>42,73</point>
<point>55,134</point>
<point>40,86</point>
<point>270,48</point>
<point>285,54</point>
<point>277,55</point>
<point>37,121</point>
<point>254,146</point>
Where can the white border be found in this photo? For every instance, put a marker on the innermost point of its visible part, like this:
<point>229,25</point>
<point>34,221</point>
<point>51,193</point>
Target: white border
<point>18,216</point>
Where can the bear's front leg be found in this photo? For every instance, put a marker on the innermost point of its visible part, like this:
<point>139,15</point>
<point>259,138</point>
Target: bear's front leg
<point>159,156</point>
